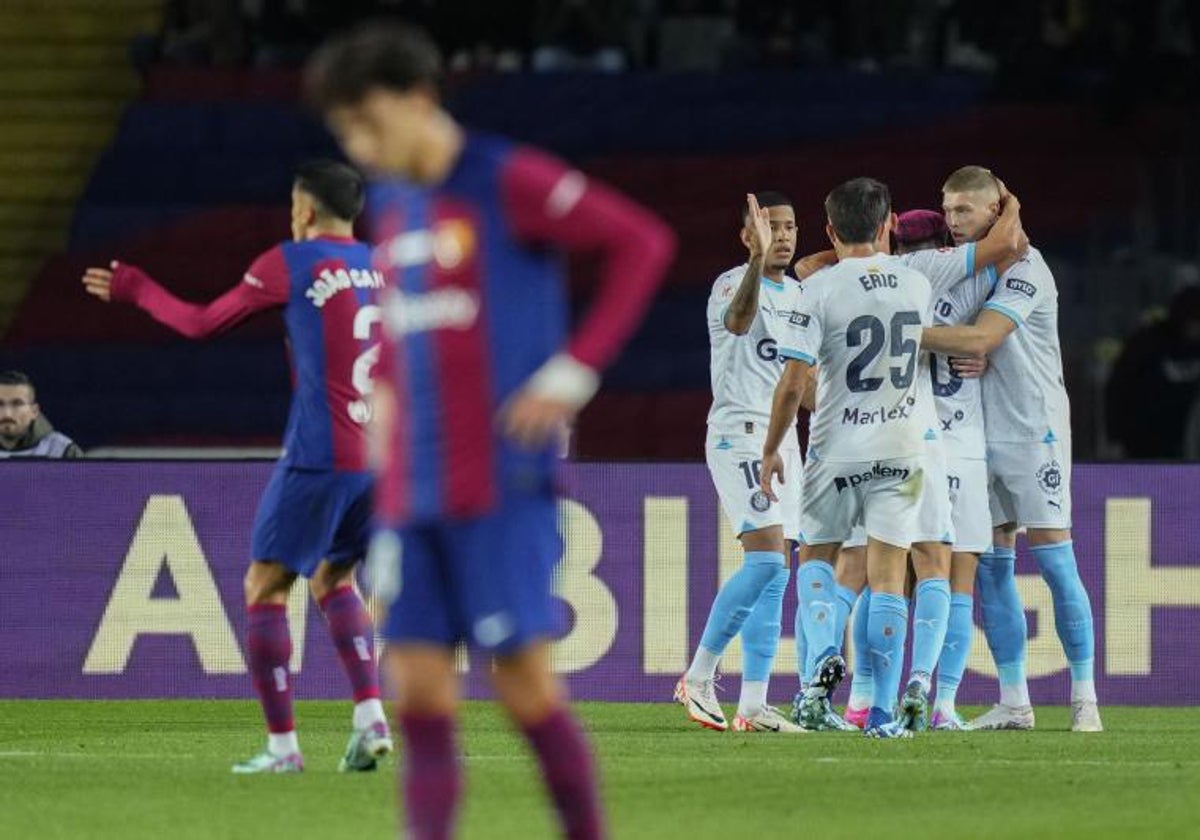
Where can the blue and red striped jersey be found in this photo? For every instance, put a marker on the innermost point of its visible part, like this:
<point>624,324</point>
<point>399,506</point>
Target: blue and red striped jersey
<point>326,288</point>
<point>476,301</point>
<point>332,324</point>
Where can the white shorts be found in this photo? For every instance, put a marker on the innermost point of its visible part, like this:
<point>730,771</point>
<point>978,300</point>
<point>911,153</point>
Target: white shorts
<point>969,504</point>
<point>934,520</point>
<point>1030,483</point>
<point>857,538</point>
<point>884,495</point>
<point>735,462</point>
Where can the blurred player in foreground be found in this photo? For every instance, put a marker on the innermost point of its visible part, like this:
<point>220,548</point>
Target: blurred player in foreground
<point>747,311</point>
<point>477,378</point>
<point>314,518</point>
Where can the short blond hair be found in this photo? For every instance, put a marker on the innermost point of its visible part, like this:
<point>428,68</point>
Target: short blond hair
<point>971,179</point>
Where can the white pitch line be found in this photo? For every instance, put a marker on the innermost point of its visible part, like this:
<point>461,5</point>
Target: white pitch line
<point>107,755</point>
<point>831,759</point>
<point>1080,762</point>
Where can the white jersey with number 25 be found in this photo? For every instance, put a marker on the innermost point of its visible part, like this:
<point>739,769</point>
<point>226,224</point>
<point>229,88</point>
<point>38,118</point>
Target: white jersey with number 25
<point>860,321</point>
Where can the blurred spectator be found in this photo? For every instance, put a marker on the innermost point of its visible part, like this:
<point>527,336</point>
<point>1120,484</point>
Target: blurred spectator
<point>1155,382</point>
<point>203,32</point>
<point>578,35</point>
<point>24,432</point>
<point>696,35</point>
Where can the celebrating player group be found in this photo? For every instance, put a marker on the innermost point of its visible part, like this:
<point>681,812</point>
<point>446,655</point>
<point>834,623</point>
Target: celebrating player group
<point>939,427</point>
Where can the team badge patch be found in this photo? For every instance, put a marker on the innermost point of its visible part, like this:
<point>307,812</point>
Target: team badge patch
<point>759,501</point>
<point>1050,478</point>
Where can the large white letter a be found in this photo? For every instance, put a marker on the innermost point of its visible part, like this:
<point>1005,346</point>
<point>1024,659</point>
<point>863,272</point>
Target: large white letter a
<point>165,536</point>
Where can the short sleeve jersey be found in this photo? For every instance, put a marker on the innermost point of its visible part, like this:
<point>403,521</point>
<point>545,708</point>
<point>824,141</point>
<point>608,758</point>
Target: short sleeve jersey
<point>860,321</point>
<point>1024,396</point>
<point>746,368</point>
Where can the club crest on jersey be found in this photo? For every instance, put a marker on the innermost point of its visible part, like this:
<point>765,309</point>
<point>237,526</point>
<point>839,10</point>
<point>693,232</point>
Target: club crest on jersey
<point>759,501</point>
<point>449,244</point>
<point>1023,286</point>
<point>1050,478</point>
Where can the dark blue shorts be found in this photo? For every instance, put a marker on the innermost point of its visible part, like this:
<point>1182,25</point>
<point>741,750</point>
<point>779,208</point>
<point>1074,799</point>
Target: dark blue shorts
<point>487,581</point>
<point>306,516</point>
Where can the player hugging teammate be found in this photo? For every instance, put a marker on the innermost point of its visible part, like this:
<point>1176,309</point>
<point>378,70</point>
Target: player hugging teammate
<point>911,454</point>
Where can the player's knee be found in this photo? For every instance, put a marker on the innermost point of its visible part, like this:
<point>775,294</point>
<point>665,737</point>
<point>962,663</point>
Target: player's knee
<point>1005,536</point>
<point>768,539</point>
<point>329,577</point>
<point>525,686</point>
<point>930,561</point>
<point>267,583</point>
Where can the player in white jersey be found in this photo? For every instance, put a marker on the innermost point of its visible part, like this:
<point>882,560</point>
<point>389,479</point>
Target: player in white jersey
<point>858,321</point>
<point>1027,424</point>
<point>949,270</point>
<point>748,309</point>
<point>942,624</point>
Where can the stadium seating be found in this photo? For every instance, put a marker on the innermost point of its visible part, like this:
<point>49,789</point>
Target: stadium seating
<point>195,183</point>
<point>64,77</point>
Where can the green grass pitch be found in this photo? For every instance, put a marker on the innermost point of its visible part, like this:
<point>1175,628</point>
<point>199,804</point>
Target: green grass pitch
<point>99,769</point>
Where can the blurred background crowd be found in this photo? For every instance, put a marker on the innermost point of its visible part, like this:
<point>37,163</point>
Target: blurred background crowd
<point>166,133</point>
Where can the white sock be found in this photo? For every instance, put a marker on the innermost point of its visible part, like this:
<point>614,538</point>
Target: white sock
<point>753,698</point>
<point>704,666</point>
<point>368,712</point>
<point>944,702</point>
<point>1016,694</point>
<point>280,744</point>
<point>1083,690</point>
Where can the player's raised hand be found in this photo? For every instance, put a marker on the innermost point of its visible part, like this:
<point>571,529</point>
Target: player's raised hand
<point>534,420</point>
<point>772,465</point>
<point>969,367</point>
<point>98,282</point>
<point>758,222</point>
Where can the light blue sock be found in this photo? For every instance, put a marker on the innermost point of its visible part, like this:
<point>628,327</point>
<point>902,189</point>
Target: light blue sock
<point>737,598</point>
<point>818,608</point>
<point>1072,607</point>
<point>955,649</point>
<point>845,603</point>
<point>861,685</point>
<point>1004,623</point>
<point>801,642</point>
<point>931,615</point>
<point>886,629</point>
<point>760,633</point>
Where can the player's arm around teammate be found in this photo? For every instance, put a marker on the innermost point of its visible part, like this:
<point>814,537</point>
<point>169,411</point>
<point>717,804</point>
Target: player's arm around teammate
<point>1003,243</point>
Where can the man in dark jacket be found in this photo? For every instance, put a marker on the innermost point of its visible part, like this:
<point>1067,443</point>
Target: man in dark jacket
<point>24,432</point>
<point>1155,382</point>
